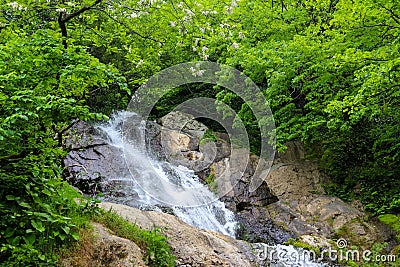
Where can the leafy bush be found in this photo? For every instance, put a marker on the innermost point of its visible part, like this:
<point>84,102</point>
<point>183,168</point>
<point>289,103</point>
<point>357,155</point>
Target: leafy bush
<point>38,213</point>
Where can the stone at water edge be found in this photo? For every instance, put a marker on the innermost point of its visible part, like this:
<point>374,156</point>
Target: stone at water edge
<point>191,246</point>
<point>305,210</point>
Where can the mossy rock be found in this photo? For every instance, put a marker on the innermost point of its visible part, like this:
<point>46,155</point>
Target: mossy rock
<point>396,251</point>
<point>393,221</point>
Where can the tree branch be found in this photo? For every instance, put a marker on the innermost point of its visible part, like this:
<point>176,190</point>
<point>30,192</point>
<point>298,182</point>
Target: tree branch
<point>63,19</point>
<point>130,29</point>
<point>63,29</point>
<point>14,156</point>
<point>80,11</point>
<point>60,133</point>
<point>395,17</point>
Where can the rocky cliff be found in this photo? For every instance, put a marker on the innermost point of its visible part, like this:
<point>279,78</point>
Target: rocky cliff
<point>290,203</point>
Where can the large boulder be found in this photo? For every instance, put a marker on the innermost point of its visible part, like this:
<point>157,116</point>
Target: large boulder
<point>90,158</point>
<point>95,167</point>
<point>184,123</point>
<point>291,202</point>
<point>104,249</point>
<point>304,209</point>
<point>191,246</point>
<point>235,173</point>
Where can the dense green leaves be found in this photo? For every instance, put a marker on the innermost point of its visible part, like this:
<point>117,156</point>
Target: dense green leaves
<point>44,87</point>
<point>330,70</point>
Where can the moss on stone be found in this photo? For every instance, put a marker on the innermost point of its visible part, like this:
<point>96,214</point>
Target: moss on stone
<point>212,183</point>
<point>393,221</point>
<point>300,244</point>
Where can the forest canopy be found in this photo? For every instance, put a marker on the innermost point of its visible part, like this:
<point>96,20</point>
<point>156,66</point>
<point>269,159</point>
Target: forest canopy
<point>329,69</point>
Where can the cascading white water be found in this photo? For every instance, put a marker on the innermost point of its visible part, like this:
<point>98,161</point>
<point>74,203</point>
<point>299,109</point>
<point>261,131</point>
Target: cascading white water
<point>155,182</point>
<point>151,184</point>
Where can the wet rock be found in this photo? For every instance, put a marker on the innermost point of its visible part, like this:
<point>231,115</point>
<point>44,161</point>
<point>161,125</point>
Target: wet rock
<point>82,135</point>
<point>233,186</point>
<point>290,202</point>
<point>256,226</point>
<point>233,177</point>
<point>95,167</point>
<point>89,168</point>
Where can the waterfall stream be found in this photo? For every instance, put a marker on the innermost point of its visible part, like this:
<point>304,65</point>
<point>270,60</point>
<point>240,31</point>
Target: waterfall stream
<point>153,183</point>
<point>148,185</point>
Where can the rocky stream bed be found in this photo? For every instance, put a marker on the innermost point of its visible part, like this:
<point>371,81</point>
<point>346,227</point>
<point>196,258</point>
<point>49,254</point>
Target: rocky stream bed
<point>290,203</point>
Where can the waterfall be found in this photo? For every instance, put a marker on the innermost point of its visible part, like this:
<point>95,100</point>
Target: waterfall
<point>155,184</point>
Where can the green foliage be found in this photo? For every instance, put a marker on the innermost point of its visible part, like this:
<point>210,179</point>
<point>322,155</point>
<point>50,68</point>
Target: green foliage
<point>299,244</point>
<point>330,71</point>
<point>153,242</point>
<point>208,137</point>
<point>332,81</point>
<point>393,221</point>
<point>35,226</point>
<point>43,88</point>
<point>27,255</point>
<point>377,251</point>
<point>212,183</point>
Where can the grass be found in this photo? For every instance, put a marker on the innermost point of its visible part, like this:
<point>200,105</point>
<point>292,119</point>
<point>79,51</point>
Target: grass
<point>81,252</point>
<point>153,242</point>
<point>67,234</point>
<point>299,244</point>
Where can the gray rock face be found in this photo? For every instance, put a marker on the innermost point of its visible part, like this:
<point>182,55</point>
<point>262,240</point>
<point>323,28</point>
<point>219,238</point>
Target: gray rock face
<point>292,180</point>
<point>87,163</point>
<point>305,211</point>
<point>291,203</point>
<point>184,123</point>
<point>229,173</point>
<point>255,225</point>
<point>94,166</point>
